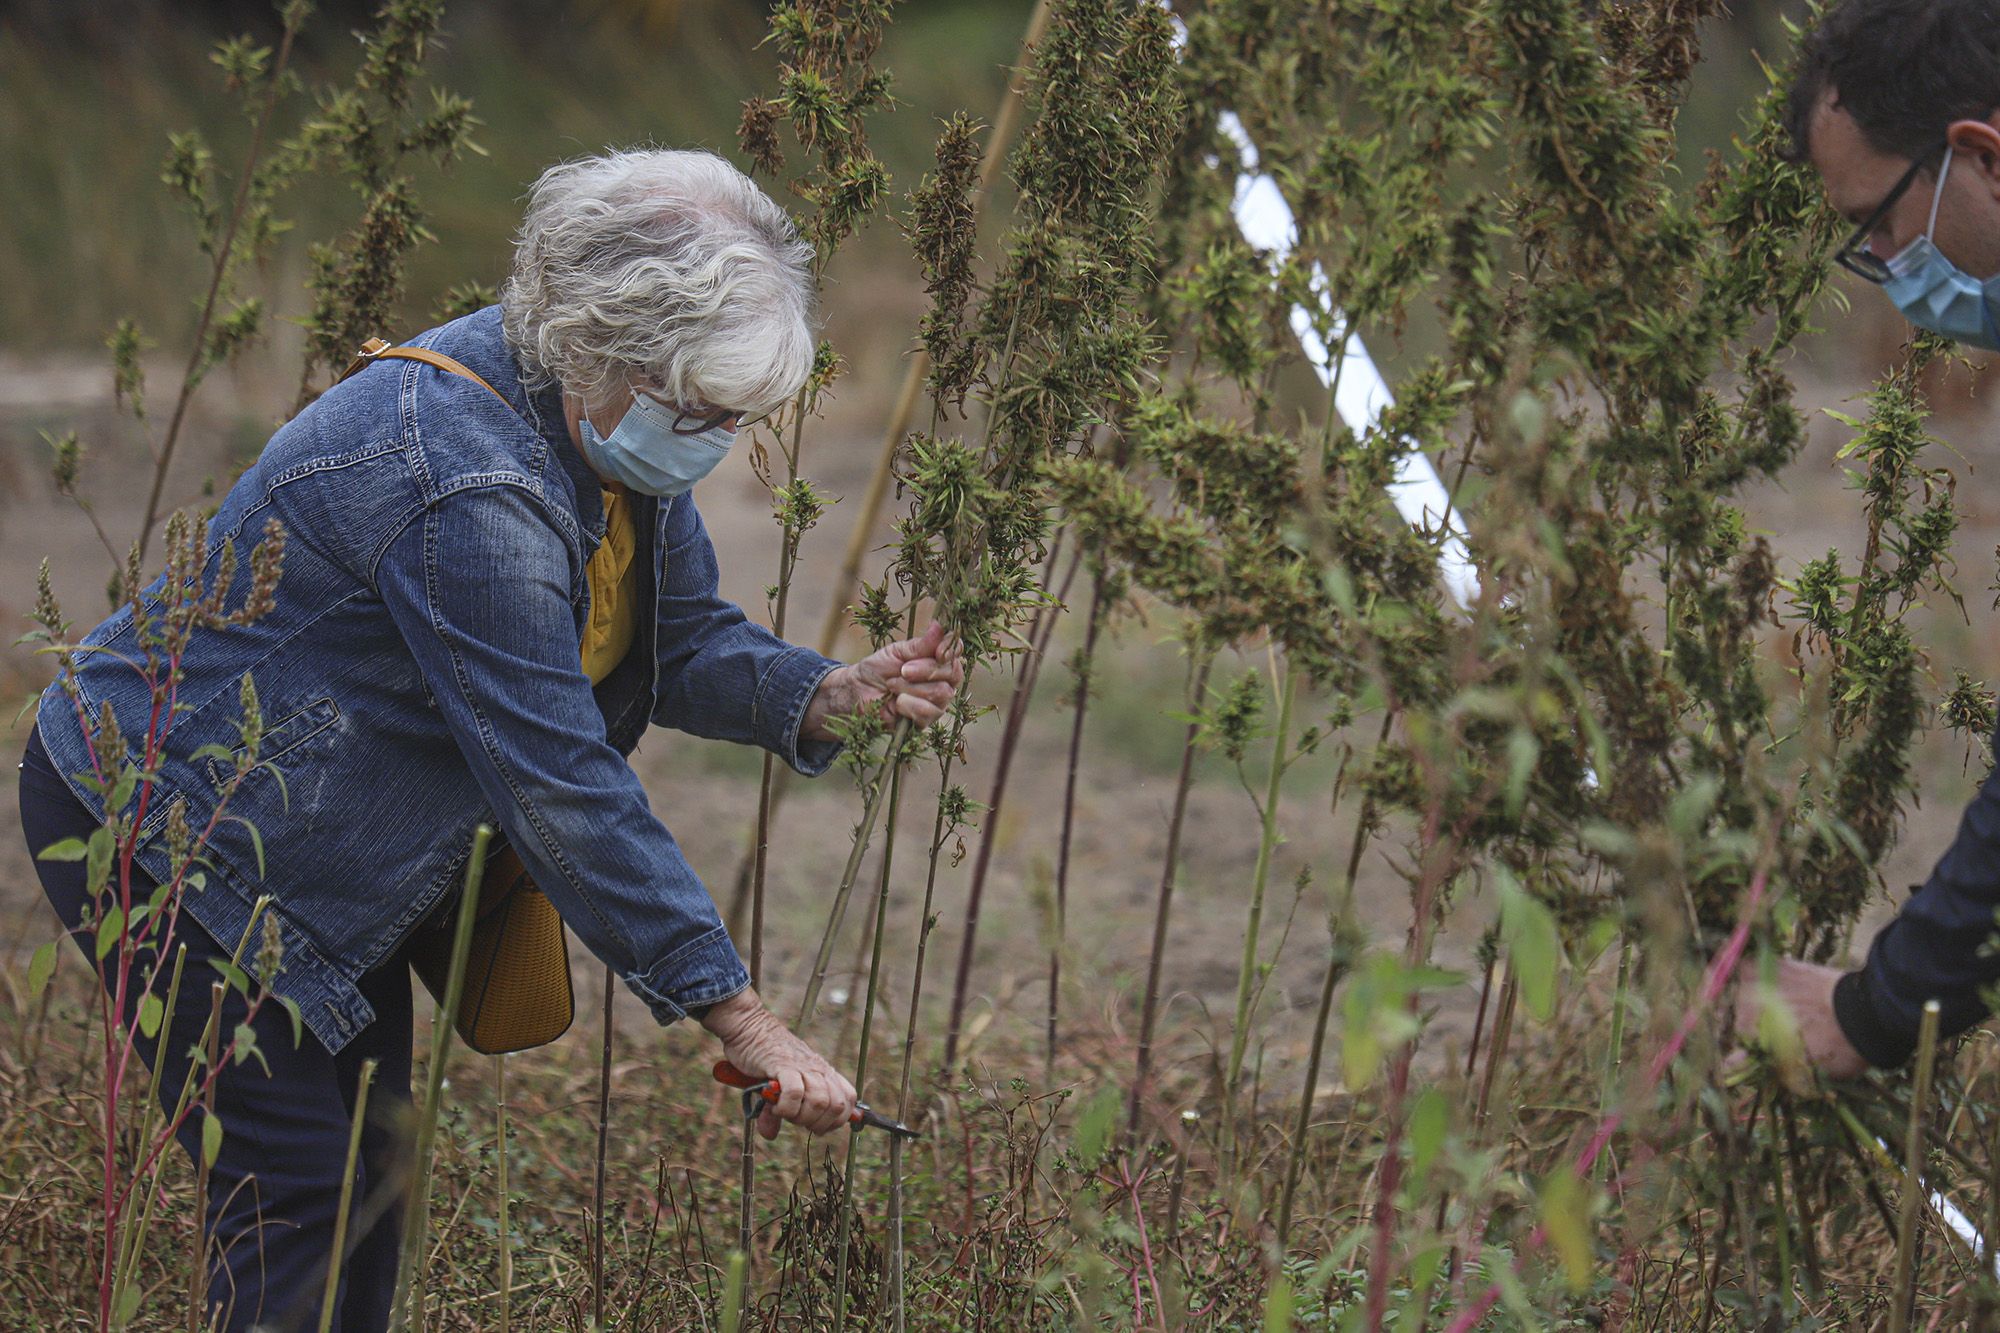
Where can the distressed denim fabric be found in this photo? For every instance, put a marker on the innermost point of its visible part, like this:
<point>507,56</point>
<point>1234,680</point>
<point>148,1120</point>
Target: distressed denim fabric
<point>420,676</point>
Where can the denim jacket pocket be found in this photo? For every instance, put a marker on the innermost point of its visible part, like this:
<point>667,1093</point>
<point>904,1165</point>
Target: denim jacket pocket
<point>288,733</point>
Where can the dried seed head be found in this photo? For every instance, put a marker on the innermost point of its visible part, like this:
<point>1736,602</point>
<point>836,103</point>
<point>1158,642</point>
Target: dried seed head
<point>252,725</point>
<point>271,949</point>
<point>179,837</point>
<point>107,742</point>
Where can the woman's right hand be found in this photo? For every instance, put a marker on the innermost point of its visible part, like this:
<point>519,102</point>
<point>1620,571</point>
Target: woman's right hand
<point>811,1093</point>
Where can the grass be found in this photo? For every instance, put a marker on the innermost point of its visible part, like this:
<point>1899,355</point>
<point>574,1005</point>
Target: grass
<point>1017,1216</point>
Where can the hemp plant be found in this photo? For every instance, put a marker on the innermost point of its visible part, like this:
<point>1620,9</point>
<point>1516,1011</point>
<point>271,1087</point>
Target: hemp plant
<point>828,87</point>
<point>1604,392</point>
<point>370,132</point>
<point>366,131</point>
<point>1062,345</point>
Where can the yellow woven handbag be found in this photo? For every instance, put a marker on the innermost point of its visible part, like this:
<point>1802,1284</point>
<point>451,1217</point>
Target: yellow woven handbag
<point>517,990</point>
<point>517,984</point>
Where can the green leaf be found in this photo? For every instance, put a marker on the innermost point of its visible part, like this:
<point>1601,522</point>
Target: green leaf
<point>1429,1119</point>
<point>1566,1218</point>
<point>1360,1050</point>
<point>1523,752</point>
<point>151,1011</point>
<point>97,868</point>
<point>243,1042</point>
<point>1534,946</point>
<point>256,842</point>
<point>214,751</point>
<point>40,968</point>
<point>127,1307</point>
<point>211,1137</point>
<point>291,1007</point>
<point>231,973</point>
<point>110,930</point>
<point>69,849</point>
<point>121,791</point>
<point>1093,1127</point>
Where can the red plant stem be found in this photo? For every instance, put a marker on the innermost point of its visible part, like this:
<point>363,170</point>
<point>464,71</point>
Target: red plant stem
<point>1145,1245</point>
<point>1085,659</point>
<point>1720,969</point>
<point>118,1050</point>
<point>1169,870</point>
<point>1436,867</point>
<point>1010,737</point>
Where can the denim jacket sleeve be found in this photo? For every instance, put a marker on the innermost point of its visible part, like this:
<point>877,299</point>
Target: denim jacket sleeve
<point>499,655</point>
<point>722,676</point>
<point>1940,946</point>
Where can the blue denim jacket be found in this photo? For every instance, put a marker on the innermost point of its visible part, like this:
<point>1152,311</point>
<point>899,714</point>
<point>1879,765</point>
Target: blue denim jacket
<point>420,675</point>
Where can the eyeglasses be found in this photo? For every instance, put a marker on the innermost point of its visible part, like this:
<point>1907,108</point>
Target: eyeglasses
<point>686,422</point>
<point>1854,255</point>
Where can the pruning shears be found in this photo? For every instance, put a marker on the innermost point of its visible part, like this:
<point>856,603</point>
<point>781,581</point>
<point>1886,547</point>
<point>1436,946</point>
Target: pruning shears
<point>758,1091</point>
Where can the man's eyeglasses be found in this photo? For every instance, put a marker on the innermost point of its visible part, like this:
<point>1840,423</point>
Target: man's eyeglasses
<point>1854,255</point>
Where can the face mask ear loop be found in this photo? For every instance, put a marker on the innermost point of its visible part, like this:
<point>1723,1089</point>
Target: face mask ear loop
<point>1937,195</point>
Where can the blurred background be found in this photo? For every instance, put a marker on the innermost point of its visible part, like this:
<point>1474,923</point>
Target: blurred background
<point>90,90</point>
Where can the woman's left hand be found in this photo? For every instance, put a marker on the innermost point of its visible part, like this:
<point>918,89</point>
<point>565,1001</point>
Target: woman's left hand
<point>914,679</point>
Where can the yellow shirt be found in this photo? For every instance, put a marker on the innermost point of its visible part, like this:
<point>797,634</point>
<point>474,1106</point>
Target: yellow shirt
<point>613,576</point>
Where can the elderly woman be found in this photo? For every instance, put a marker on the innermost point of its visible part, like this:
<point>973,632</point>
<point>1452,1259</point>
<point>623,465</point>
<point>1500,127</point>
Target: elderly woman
<point>494,580</point>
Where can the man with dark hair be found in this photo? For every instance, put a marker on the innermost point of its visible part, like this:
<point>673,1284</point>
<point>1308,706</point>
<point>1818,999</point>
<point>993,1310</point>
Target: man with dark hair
<point>1897,104</point>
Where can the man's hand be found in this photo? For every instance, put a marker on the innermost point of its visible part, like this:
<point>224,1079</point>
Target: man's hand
<point>811,1093</point>
<point>1806,991</point>
<point>914,679</point>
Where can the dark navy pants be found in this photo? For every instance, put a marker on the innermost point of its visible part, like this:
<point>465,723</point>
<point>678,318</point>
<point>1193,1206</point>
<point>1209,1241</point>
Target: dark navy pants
<point>274,1190</point>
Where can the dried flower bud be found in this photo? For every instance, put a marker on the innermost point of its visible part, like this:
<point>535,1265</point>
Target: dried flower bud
<point>271,949</point>
<point>179,837</point>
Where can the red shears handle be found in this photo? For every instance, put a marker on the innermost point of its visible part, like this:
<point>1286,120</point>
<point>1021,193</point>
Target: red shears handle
<point>767,1088</point>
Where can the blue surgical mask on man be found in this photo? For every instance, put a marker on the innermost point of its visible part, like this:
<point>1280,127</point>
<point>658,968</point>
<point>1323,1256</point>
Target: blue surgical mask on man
<point>1934,293</point>
<point>648,455</point>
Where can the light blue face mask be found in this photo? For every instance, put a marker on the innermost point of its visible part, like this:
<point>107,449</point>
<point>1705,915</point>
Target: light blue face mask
<point>1934,293</point>
<point>647,455</point>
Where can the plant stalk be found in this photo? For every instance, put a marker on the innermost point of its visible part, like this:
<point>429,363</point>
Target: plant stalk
<point>409,1297</point>
<point>1005,117</point>
<point>1197,686</point>
<point>603,1141</point>
<point>198,1270</point>
<point>1339,960</point>
<point>1246,975</point>
<point>871,808</point>
<point>989,825</point>
<point>504,1205</point>
<point>1086,658</point>
<point>224,258</point>
<point>867,1030</point>
<point>1902,1299</point>
<point>337,1255</point>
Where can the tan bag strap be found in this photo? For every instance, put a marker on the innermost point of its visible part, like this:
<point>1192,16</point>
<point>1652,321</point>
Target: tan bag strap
<point>378,349</point>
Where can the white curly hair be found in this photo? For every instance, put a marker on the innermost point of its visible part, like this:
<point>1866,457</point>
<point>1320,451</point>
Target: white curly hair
<point>663,269</point>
